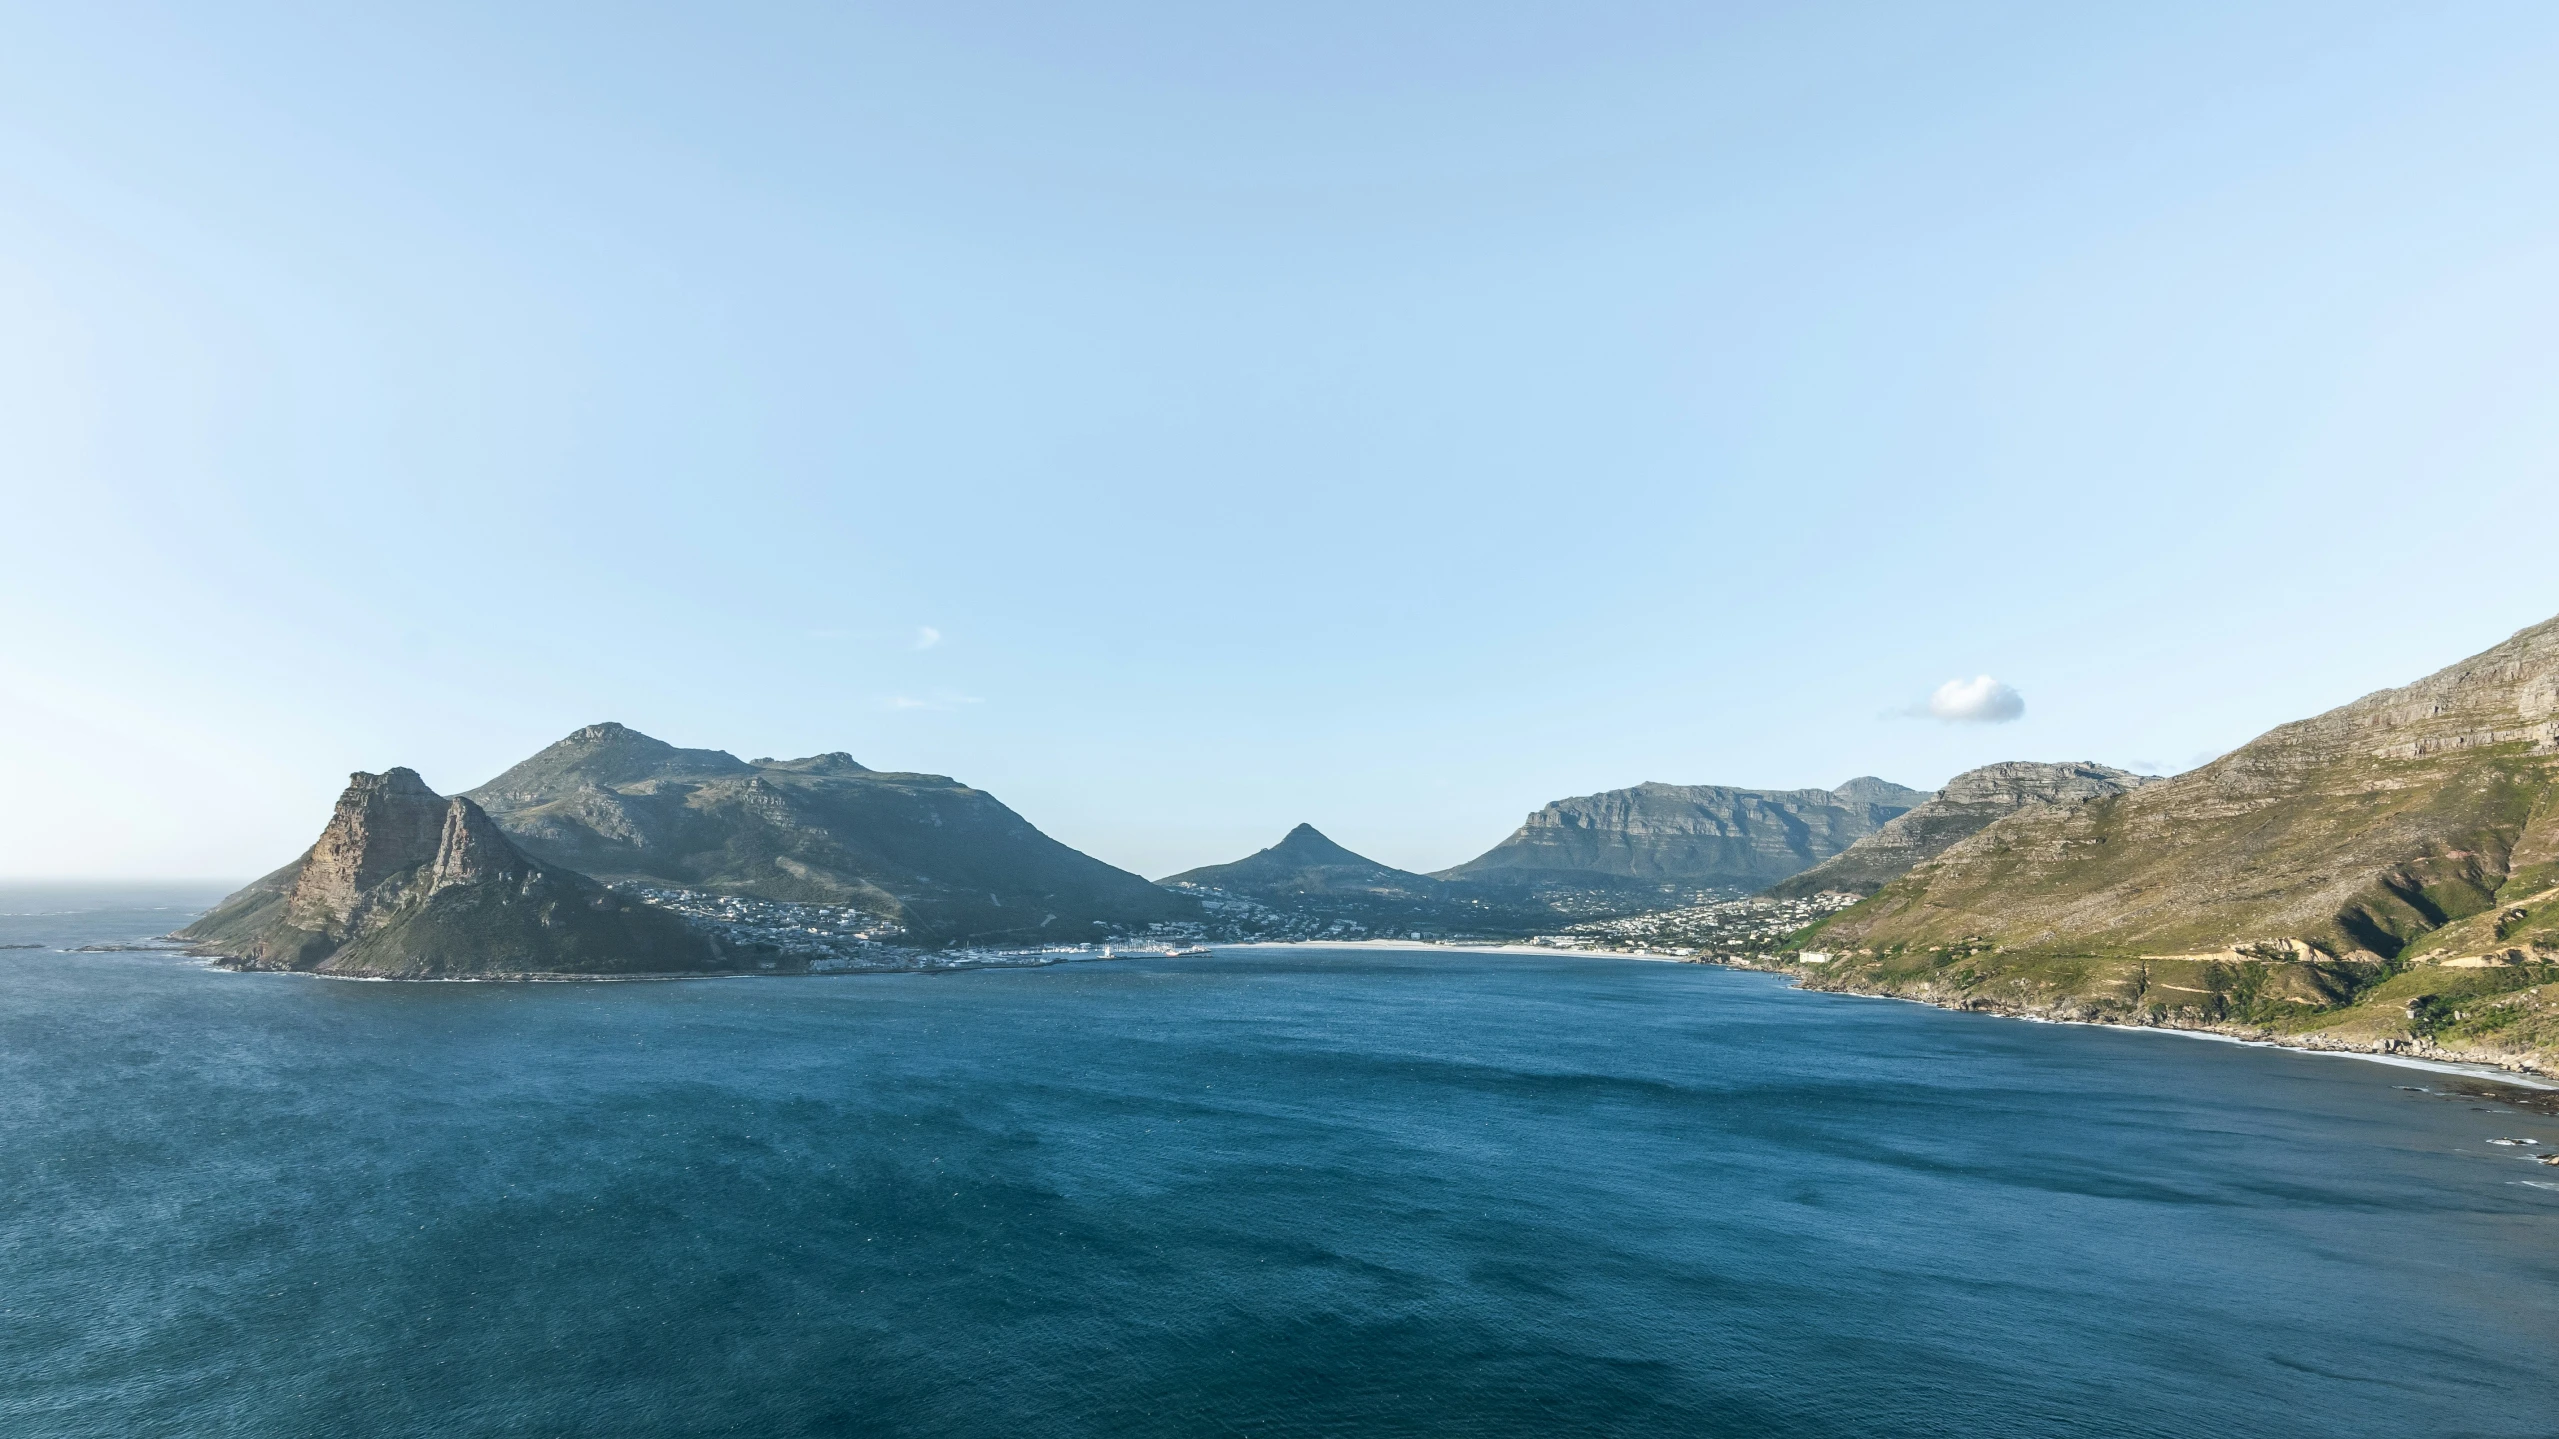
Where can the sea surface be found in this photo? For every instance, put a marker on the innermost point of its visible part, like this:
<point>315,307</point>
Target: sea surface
<point>1274,1192</point>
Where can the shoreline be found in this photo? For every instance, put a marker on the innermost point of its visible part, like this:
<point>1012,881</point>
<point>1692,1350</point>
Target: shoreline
<point>2517,1077</point>
<point>1488,946</point>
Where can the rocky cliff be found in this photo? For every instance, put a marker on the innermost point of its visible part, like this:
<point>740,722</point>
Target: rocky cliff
<point>946,861</point>
<point>1699,836</point>
<point>407,884</point>
<point>1970,803</point>
<point>2384,875</point>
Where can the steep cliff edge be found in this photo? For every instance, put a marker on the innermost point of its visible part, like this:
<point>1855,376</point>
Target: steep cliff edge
<point>1970,803</point>
<point>407,884</point>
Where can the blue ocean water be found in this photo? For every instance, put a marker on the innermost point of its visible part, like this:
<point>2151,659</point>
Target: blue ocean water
<point>1274,1192</point>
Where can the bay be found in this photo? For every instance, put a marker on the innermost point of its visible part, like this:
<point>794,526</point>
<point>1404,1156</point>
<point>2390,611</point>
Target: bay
<point>1283,1192</point>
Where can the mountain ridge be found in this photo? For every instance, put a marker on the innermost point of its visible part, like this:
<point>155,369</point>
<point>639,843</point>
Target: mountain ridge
<point>1705,836</point>
<point>1963,807</point>
<point>948,862</point>
<point>2383,875</point>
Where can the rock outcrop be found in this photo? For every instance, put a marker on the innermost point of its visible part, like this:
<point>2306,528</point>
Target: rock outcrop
<point>1698,836</point>
<point>945,861</point>
<point>1970,803</point>
<point>407,884</point>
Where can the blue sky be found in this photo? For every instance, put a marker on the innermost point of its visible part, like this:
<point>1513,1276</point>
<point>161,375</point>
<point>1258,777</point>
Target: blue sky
<point>1183,421</point>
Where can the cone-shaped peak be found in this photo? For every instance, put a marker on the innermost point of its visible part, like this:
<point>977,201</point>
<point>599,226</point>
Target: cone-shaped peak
<point>1308,845</point>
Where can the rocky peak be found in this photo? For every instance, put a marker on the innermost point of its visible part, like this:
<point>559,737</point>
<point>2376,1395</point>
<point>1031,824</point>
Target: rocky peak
<point>405,883</point>
<point>601,756</point>
<point>832,762</point>
<point>2014,782</point>
<point>1867,789</point>
<point>473,849</point>
<point>1970,803</point>
<point>1308,845</point>
<point>384,824</point>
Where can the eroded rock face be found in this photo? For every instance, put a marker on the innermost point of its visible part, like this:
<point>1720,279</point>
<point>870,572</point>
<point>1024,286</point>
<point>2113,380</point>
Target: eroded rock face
<point>405,883</point>
<point>385,825</point>
<point>1970,803</point>
<point>472,850</point>
<point>1697,834</point>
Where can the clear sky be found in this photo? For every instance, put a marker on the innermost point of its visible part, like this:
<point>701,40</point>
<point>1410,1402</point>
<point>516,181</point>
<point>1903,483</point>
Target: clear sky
<point>1184,420</point>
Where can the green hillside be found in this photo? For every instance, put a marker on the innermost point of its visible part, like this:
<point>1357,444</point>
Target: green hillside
<point>2381,875</point>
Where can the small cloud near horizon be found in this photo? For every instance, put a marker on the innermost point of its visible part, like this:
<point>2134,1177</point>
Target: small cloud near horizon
<point>1979,700</point>
<point>926,637</point>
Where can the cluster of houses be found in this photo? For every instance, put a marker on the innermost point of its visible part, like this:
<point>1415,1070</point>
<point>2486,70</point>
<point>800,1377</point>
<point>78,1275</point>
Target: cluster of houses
<point>1732,930</point>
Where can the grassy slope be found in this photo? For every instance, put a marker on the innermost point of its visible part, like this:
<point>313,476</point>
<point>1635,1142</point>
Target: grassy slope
<point>551,924</point>
<point>2316,886</point>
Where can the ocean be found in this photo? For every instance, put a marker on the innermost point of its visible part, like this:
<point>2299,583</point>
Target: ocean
<point>1286,1192</point>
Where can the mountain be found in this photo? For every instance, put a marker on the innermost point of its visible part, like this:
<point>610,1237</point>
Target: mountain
<point>1658,836</point>
<point>2385,874</point>
<point>948,862</point>
<point>406,884</point>
<point>1970,803</point>
<point>1307,876</point>
<point>1304,862</point>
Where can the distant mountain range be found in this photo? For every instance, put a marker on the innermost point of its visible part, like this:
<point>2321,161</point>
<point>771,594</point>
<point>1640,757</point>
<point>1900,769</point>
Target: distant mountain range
<point>946,861</point>
<point>1657,839</point>
<point>2383,875</point>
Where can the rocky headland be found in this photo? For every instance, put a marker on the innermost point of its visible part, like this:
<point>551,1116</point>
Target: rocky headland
<point>405,883</point>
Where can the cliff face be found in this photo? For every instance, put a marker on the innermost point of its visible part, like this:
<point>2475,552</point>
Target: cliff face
<point>1970,803</point>
<point>945,860</point>
<point>2385,875</point>
<point>1698,835</point>
<point>406,884</point>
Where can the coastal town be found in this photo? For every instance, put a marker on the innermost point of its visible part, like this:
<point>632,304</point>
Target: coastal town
<point>842,939</point>
<point>1721,931</point>
<point>825,939</point>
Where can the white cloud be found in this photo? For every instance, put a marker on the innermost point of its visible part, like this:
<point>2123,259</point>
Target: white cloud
<point>926,637</point>
<point>1979,700</point>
